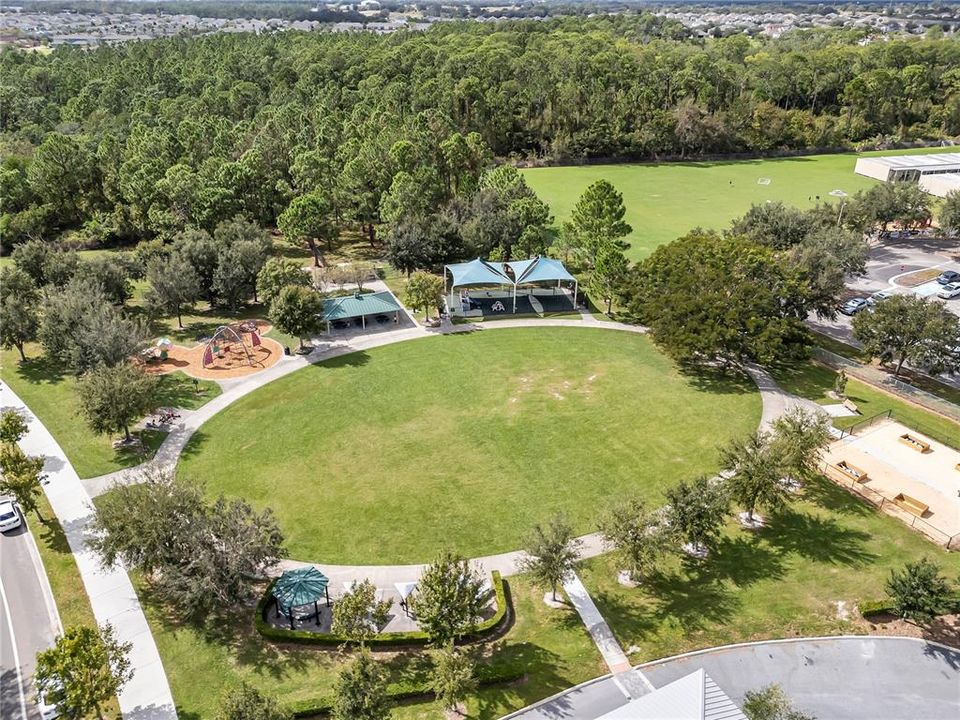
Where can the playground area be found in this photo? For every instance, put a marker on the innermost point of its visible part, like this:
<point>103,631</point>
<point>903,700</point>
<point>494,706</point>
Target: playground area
<point>232,351</point>
<point>896,466</point>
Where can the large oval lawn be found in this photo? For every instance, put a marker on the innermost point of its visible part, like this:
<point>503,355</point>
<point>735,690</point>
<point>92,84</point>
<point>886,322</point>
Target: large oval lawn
<point>465,441</point>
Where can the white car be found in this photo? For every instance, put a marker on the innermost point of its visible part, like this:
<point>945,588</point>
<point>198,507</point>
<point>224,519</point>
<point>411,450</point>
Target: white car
<point>877,297</point>
<point>9,516</point>
<point>48,710</point>
<point>951,290</point>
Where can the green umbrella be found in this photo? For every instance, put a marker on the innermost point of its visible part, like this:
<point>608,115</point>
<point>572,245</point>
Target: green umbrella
<point>296,588</point>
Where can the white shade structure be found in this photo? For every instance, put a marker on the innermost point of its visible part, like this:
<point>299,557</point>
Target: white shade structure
<point>513,274</point>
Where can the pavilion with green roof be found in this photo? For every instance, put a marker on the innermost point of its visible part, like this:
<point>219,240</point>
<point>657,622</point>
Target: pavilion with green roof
<point>360,305</point>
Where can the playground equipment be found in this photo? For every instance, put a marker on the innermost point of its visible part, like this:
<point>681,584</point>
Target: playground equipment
<point>228,345</point>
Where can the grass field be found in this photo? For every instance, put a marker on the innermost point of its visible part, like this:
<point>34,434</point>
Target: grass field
<point>552,646</point>
<point>465,441</point>
<point>665,201</point>
<point>784,581</point>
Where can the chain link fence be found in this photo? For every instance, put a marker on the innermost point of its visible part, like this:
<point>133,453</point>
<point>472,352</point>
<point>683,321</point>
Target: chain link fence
<point>873,376</point>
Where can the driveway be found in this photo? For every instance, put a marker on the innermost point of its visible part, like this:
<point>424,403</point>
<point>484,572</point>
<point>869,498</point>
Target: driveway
<point>843,678</point>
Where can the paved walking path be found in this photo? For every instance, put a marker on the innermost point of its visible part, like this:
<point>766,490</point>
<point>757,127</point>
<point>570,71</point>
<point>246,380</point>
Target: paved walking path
<point>601,633</point>
<point>112,597</point>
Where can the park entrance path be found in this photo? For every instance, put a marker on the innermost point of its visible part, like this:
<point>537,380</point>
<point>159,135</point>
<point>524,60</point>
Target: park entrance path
<point>112,597</point>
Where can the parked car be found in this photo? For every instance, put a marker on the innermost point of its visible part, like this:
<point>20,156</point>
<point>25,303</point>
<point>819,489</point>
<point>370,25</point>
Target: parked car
<point>948,276</point>
<point>877,297</point>
<point>46,705</point>
<point>950,290</point>
<point>9,516</point>
<point>853,306</point>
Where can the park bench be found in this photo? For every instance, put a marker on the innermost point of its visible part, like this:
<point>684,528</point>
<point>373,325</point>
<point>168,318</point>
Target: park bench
<point>852,471</point>
<point>915,443</point>
<point>911,505</point>
<point>851,406</point>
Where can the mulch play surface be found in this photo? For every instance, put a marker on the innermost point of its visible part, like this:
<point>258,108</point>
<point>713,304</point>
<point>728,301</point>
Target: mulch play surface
<point>232,360</point>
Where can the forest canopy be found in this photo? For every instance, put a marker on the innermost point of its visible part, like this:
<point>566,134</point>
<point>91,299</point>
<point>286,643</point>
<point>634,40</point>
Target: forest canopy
<point>145,139</point>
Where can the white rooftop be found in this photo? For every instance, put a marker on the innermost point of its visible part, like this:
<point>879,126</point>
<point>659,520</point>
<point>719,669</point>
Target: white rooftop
<point>693,697</point>
<point>907,162</point>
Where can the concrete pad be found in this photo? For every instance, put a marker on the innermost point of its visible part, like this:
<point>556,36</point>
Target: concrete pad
<point>895,468</point>
<point>838,410</point>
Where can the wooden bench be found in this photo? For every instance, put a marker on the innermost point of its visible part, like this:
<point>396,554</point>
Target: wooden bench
<point>852,471</point>
<point>911,505</point>
<point>851,406</point>
<point>914,442</point>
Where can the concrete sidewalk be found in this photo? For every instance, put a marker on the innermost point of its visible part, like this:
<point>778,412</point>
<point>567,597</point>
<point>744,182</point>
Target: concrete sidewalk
<point>112,597</point>
<point>601,633</point>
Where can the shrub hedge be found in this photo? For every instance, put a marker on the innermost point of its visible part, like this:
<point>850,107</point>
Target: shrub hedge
<point>484,630</point>
<point>494,673</point>
<point>885,607</point>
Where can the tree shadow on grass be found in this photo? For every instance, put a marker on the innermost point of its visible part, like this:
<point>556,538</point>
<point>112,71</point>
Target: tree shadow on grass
<point>233,630</point>
<point>819,539</point>
<point>534,661</point>
<point>356,358</point>
<point>195,445</point>
<point>178,390</point>
<point>743,560</point>
<point>694,599</point>
<point>52,536</point>
<point>806,379</point>
<point>830,496</point>
<point>717,380</point>
<point>41,370</point>
<point>129,456</point>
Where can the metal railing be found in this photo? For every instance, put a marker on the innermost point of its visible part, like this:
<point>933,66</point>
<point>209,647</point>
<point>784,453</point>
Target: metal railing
<point>890,507</point>
<point>880,379</point>
<point>865,423</point>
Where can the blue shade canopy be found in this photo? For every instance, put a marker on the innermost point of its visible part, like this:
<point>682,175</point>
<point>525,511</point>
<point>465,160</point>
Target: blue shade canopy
<point>540,269</point>
<point>478,272</point>
<point>353,306</point>
<point>300,587</point>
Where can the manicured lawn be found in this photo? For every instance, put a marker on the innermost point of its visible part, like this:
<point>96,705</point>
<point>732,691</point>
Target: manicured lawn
<point>665,201</point>
<point>551,645</point>
<point>465,441</point>
<point>50,393</point>
<point>813,381</point>
<point>783,581</point>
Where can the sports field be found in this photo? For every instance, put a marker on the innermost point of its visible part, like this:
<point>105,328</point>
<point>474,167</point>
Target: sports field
<point>465,441</point>
<point>666,200</point>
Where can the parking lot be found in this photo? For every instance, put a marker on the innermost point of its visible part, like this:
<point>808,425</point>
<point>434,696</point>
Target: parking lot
<point>889,267</point>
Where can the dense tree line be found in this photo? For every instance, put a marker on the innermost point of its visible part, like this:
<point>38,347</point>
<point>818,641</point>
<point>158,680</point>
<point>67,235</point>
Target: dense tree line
<point>146,139</point>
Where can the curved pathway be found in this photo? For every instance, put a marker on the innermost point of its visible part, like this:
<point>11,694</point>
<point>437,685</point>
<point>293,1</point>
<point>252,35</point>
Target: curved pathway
<point>775,402</point>
<point>111,593</point>
<point>840,678</point>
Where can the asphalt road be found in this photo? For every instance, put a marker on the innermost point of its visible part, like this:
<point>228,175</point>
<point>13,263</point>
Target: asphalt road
<point>852,678</point>
<point>837,678</point>
<point>28,622</point>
